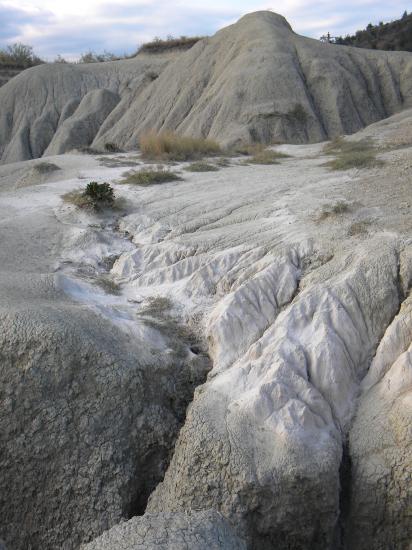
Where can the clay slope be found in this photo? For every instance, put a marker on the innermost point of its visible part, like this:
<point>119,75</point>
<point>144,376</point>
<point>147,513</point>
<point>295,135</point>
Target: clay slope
<point>55,108</point>
<point>253,81</point>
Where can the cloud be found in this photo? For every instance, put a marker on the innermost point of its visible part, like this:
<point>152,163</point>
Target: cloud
<point>71,27</point>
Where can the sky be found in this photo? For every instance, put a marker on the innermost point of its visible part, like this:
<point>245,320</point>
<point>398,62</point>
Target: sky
<point>73,27</point>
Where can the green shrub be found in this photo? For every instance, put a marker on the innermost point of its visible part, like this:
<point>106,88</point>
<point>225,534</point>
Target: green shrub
<point>168,145</point>
<point>150,177</point>
<point>201,167</point>
<point>94,197</point>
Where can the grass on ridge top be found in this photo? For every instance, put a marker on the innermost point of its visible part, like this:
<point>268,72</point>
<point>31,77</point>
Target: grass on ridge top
<point>150,177</point>
<point>168,145</point>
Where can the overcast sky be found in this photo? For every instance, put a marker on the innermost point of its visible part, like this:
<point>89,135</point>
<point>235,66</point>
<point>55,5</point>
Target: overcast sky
<point>71,27</point>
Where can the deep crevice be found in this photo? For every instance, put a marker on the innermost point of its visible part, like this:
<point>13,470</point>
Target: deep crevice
<point>345,484</point>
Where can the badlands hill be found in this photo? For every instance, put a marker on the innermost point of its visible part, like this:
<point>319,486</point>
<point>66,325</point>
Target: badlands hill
<point>253,81</point>
<point>218,362</point>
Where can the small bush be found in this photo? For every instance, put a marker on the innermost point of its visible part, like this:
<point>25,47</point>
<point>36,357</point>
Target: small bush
<point>170,146</point>
<point>201,167</point>
<point>267,156</point>
<point>94,197</point>
<point>150,177</point>
<point>112,148</point>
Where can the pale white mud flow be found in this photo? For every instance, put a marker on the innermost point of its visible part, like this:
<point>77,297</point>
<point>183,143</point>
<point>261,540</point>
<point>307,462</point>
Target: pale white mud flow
<point>229,353</point>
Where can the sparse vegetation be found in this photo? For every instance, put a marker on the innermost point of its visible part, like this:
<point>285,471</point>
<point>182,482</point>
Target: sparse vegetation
<point>201,167</point>
<point>157,305</point>
<point>112,148</point>
<point>45,167</point>
<point>267,156</point>
<point>298,113</point>
<point>92,57</point>
<point>150,177</point>
<point>330,210</point>
<point>358,228</point>
<point>168,145</point>
<point>223,162</point>
<point>352,154</point>
<point>116,162</point>
<point>107,284</point>
<point>171,43</point>
<point>248,149</point>
<point>95,197</point>
<point>87,150</point>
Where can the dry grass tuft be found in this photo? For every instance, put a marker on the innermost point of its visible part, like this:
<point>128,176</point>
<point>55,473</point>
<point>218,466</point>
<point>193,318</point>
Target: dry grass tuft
<point>168,145</point>
<point>150,177</point>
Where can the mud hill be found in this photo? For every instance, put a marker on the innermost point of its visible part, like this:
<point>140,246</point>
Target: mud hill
<point>253,81</point>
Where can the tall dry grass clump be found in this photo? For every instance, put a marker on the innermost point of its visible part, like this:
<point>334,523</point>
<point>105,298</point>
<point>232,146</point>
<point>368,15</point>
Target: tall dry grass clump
<point>168,145</point>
